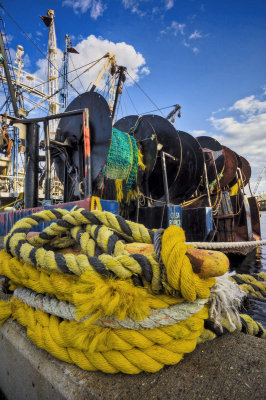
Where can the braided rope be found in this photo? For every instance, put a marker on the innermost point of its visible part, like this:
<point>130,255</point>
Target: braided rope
<point>108,350</point>
<point>245,324</point>
<point>226,245</point>
<point>89,293</point>
<point>142,300</point>
<point>252,284</point>
<point>99,235</point>
<point>156,318</point>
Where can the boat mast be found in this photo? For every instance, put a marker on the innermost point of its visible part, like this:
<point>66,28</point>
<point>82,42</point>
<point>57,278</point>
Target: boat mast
<point>121,71</point>
<point>4,50</point>
<point>64,91</point>
<point>53,81</point>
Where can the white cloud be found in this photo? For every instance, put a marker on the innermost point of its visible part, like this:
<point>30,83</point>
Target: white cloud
<point>136,10</point>
<point>42,68</point>
<point>175,28</point>
<point>253,127</point>
<point>169,4</point>
<point>145,71</point>
<point>26,61</point>
<point>133,5</point>
<point>219,110</point>
<point>39,33</point>
<point>93,48</point>
<point>198,132</point>
<point>249,105</point>
<point>244,131</point>
<point>95,6</point>
<point>97,9</point>
<point>129,3</point>
<point>195,35</point>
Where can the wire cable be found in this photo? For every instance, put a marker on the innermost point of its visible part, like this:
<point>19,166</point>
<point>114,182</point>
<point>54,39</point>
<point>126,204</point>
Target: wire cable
<point>77,74</point>
<point>143,91</point>
<point>61,73</point>
<point>32,41</point>
<point>132,101</point>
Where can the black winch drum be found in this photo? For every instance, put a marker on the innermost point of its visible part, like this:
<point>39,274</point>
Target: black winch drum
<point>145,136</point>
<point>168,141</point>
<point>191,169</point>
<point>209,143</point>
<point>183,157</point>
<point>100,124</point>
<point>154,134</point>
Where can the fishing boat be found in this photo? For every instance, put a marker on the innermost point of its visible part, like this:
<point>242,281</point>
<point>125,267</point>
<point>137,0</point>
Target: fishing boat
<point>141,166</point>
<point>93,245</point>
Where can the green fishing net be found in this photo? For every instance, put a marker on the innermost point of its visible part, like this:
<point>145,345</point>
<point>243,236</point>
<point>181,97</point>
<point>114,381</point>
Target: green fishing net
<point>122,159</point>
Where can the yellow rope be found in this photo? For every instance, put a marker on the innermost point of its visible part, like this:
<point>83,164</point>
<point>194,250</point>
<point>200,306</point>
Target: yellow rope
<point>109,350</point>
<point>89,293</point>
<point>20,197</point>
<point>251,285</point>
<point>180,276</point>
<point>5,311</point>
<point>103,286</point>
<point>179,271</point>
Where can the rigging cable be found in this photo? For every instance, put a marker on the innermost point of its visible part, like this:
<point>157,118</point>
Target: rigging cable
<point>58,90</point>
<point>143,91</point>
<point>132,101</point>
<point>77,73</point>
<point>61,74</point>
<point>162,108</point>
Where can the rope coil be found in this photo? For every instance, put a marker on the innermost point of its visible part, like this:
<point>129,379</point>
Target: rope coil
<point>121,312</point>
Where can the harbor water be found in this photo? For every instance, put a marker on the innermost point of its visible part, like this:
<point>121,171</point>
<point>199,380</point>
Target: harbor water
<point>254,262</point>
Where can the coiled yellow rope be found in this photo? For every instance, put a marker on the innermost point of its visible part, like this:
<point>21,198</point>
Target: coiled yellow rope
<point>103,279</point>
<point>97,232</point>
<point>93,347</point>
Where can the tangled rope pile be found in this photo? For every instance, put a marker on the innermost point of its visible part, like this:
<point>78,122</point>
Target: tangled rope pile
<point>102,308</point>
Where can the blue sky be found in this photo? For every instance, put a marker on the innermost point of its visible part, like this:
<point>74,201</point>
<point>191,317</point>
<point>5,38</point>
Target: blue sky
<point>208,56</point>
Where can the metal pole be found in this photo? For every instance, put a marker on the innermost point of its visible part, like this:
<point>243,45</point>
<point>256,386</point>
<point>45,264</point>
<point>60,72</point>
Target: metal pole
<point>207,183</point>
<point>121,71</point>
<point>47,118</point>
<point>32,165</point>
<point>165,180</point>
<point>241,179</point>
<point>47,160</point>
<point>16,145</point>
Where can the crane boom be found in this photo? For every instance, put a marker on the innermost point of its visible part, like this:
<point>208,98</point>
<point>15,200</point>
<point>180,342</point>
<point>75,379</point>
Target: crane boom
<point>110,61</point>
